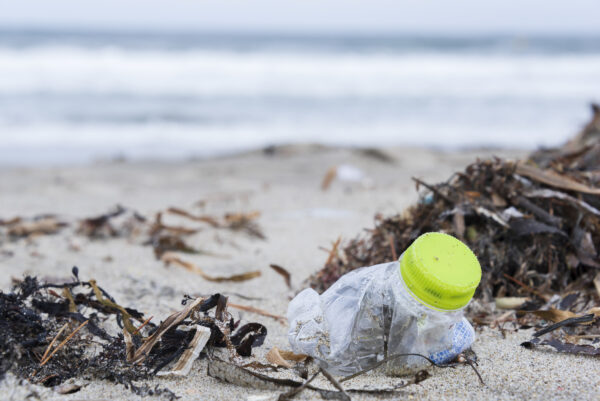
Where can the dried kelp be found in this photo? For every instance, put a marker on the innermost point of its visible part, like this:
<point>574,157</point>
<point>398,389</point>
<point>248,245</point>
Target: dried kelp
<point>120,222</point>
<point>534,225</point>
<point>48,338</point>
<point>283,273</point>
<point>19,227</point>
<point>169,243</point>
<point>51,332</point>
<point>169,258</point>
<point>234,221</point>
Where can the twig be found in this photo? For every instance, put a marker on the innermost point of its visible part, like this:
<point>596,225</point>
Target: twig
<point>293,392</point>
<point>262,312</point>
<point>333,251</point>
<point>433,189</point>
<point>527,288</point>
<point>433,363</point>
<point>472,365</point>
<point>393,248</point>
<point>53,341</point>
<point>143,324</point>
<point>44,361</point>
<point>336,384</point>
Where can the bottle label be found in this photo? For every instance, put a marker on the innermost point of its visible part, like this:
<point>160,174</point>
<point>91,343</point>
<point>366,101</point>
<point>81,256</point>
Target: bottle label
<point>463,336</point>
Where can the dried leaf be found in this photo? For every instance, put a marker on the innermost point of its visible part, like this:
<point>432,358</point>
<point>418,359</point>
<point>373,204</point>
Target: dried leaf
<point>169,258</point>
<point>594,311</point>
<point>290,356</point>
<point>554,179</point>
<point>549,193</point>
<point>281,357</point>
<point>498,201</point>
<point>99,226</point>
<point>585,319</point>
<point>284,273</point>
<point>42,226</point>
<point>168,243</point>
<point>554,315</point>
<point>328,178</point>
<point>275,358</point>
<point>245,222</point>
<point>183,213</point>
<point>523,227</point>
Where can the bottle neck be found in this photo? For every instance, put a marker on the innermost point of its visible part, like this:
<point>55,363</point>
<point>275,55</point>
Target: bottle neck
<point>415,300</point>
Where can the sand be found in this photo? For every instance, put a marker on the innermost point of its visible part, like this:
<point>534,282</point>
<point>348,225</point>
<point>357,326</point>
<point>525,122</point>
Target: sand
<point>297,217</point>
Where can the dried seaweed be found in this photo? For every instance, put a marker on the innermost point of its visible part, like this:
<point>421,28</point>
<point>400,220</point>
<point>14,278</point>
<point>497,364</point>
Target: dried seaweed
<point>534,225</point>
<point>560,346</point>
<point>169,258</point>
<point>48,341</point>
<point>39,225</point>
<point>283,273</point>
<point>262,312</point>
<point>169,243</point>
<point>105,225</point>
<point>234,221</point>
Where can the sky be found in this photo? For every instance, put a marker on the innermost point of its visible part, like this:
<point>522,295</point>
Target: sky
<point>329,16</point>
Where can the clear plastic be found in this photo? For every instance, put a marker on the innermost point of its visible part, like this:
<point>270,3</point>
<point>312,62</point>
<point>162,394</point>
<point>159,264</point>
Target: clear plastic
<point>368,315</point>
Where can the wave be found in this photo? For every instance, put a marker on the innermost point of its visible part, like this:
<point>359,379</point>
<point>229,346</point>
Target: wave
<point>218,73</point>
<point>65,101</point>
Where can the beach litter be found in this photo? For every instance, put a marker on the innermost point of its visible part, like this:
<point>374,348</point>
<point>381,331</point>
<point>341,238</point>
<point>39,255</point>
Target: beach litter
<point>411,306</point>
<point>534,225</point>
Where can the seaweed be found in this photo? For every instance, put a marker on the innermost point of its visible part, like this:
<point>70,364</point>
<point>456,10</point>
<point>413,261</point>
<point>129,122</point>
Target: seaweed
<point>48,341</point>
<point>534,225</point>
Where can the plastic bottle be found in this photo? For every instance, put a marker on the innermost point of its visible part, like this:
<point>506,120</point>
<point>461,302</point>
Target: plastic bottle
<point>413,305</point>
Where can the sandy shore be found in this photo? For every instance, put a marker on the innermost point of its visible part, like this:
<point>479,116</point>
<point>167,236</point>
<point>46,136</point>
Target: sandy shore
<point>297,218</point>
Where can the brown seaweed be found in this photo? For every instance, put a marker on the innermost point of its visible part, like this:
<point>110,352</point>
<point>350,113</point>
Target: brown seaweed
<point>534,225</point>
<point>49,341</point>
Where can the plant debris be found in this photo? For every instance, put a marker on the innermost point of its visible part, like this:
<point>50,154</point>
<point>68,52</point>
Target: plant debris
<point>283,273</point>
<point>50,333</point>
<point>535,228</point>
<point>243,376</point>
<point>534,225</point>
<point>170,258</point>
<point>281,358</point>
<point>40,225</point>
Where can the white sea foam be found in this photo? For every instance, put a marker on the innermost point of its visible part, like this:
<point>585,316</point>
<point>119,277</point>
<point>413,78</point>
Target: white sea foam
<point>75,103</point>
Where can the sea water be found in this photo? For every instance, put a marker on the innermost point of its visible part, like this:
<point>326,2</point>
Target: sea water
<point>69,97</point>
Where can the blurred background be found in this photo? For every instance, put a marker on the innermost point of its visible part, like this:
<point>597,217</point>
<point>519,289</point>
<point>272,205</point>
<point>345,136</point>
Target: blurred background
<point>174,80</point>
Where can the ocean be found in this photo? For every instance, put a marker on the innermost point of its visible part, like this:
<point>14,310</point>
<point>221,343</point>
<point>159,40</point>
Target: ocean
<point>75,97</point>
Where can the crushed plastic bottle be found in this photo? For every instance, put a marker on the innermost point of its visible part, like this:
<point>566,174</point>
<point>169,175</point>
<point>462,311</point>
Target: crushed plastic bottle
<point>413,305</point>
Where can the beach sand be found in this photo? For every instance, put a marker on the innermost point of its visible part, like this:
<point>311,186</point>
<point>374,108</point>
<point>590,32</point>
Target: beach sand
<point>297,217</point>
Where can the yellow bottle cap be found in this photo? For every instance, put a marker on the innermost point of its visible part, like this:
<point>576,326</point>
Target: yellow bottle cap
<point>440,271</point>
